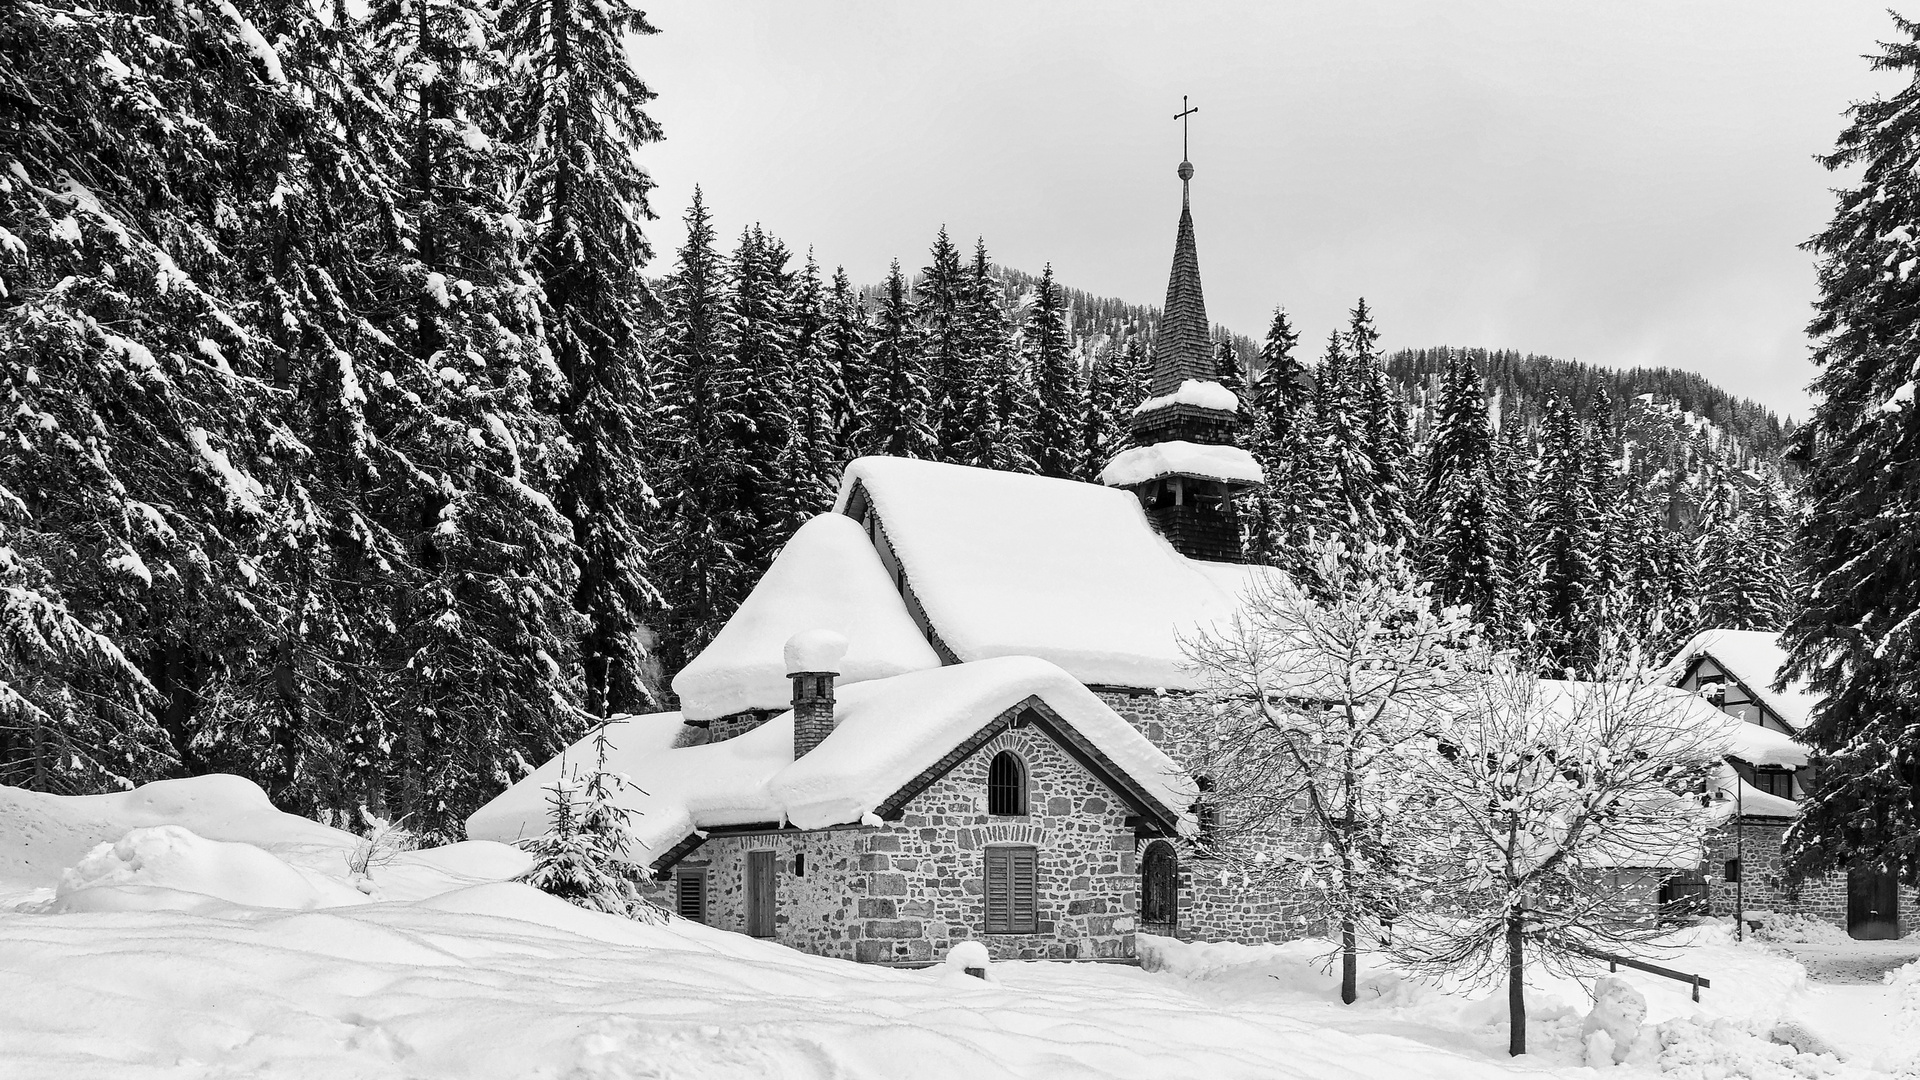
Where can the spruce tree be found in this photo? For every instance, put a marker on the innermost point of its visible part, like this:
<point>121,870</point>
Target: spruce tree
<point>1566,553</point>
<point>1060,400</point>
<point>899,410</point>
<point>1288,509</point>
<point>1103,431</point>
<point>843,348</point>
<point>759,373</point>
<point>699,565</point>
<point>578,110</point>
<point>997,429</point>
<point>814,456</point>
<point>1349,481</point>
<point>490,635</point>
<point>939,308</point>
<point>1464,515</point>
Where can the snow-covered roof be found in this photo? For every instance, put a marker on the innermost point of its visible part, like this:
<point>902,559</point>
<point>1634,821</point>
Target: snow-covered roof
<point>1730,795</point>
<point>828,577</point>
<point>1756,659</point>
<point>887,732</point>
<point>1177,457</point>
<point>1006,564</point>
<point>1758,745</point>
<point>1204,393</point>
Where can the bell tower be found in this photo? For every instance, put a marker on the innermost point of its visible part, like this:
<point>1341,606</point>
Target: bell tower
<point>1184,465</point>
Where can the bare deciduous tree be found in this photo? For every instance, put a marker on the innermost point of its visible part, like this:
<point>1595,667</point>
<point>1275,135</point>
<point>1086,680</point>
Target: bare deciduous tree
<point>1321,688</point>
<point>1535,792</point>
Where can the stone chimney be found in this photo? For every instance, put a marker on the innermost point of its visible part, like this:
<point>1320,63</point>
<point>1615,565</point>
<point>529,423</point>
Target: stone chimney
<point>813,659</point>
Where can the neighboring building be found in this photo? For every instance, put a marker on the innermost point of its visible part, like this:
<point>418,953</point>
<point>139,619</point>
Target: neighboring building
<point>1768,774</point>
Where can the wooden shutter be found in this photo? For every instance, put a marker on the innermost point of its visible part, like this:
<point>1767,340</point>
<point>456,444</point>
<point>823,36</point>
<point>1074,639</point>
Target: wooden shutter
<point>692,898</point>
<point>998,891</point>
<point>1012,890</point>
<point>1026,902</point>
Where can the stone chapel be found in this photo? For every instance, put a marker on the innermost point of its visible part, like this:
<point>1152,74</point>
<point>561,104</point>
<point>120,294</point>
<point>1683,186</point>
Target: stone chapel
<point>955,707</point>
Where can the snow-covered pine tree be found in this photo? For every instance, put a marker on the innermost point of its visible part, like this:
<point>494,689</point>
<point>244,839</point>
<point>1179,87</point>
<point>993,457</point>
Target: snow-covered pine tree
<point>814,455</point>
<point>1348,481</point>
<point>582,857</point>
<point>142,418</point>
<point>1226,361</point>
<point>1603,451</point>
<point>1384,424</point>
<point>1464,516</point>
<point>577,110</point>
<point>1103,429</point>
<point>1739,576</point>
<point>1048,352</point>
<point>939,310</point>
<point>1283,514</point>
<point>491,634</point>
<point>899,403</point>
<point>1515,490</point>
<point>999,403</point>
<point>1566,540</point>
<point>759,376</point>
<point>699,563</point>
<point>843,347</point>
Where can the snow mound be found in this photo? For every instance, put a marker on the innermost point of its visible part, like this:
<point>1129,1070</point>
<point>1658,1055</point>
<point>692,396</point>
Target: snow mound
<point>45,836</point>
<point>171,857</point>
<point>1791,929</point>
<point>815,650</point>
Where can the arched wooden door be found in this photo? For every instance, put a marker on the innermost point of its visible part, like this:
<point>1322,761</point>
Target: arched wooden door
<point>1159,889</point>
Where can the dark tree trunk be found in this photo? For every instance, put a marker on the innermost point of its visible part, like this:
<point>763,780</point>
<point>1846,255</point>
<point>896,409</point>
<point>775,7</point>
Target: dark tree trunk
<point>1516,986</point>
<point>1349,963</point>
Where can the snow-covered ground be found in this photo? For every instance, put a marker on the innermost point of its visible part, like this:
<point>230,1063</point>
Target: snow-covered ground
<point>216,937</point>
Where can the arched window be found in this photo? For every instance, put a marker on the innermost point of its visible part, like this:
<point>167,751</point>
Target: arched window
<point>1007,785</point>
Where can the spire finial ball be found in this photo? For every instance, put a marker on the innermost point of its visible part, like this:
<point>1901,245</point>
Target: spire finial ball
<point>1186,170</point>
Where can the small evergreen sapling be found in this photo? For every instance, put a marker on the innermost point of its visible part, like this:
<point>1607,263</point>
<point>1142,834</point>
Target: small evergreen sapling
<point>582,858</point>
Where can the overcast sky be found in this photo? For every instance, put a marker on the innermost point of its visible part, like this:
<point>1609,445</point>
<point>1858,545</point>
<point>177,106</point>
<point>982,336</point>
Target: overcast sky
<point>1622,182</point>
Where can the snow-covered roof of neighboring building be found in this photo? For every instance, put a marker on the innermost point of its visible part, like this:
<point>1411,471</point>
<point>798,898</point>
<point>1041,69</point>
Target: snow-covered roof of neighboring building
<point>1730,795</point>
<point>887,732</point>
<point>828,577</point>
<point>1177,457</point>
<point>1756,659</point>
<point>1006,564</point>
<point>1758,745</point>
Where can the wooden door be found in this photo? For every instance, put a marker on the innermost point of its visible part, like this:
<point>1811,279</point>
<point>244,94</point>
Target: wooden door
<point>760,896</point>
<point>1873,905</point>
<point>1160,889</point>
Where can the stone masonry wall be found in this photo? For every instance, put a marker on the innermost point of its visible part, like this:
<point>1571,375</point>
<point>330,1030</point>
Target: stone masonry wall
<point>1764,886</point>
<point>1216,904</point>
<point>904,892</point>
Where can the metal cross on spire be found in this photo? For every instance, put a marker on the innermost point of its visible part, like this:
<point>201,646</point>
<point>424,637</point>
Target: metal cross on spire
<point>1182,117</point>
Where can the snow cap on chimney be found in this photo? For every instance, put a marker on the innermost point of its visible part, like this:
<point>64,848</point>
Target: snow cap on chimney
<point>815,650</point>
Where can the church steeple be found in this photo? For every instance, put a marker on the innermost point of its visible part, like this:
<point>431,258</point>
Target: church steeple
<point>1184,465</point>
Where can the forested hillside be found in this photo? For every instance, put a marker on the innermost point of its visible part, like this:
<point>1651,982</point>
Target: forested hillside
<point>349,449</point>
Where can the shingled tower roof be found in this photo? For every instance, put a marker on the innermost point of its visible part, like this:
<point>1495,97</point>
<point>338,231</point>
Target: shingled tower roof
<point>1184,466</point>
<point>1184,348</point>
